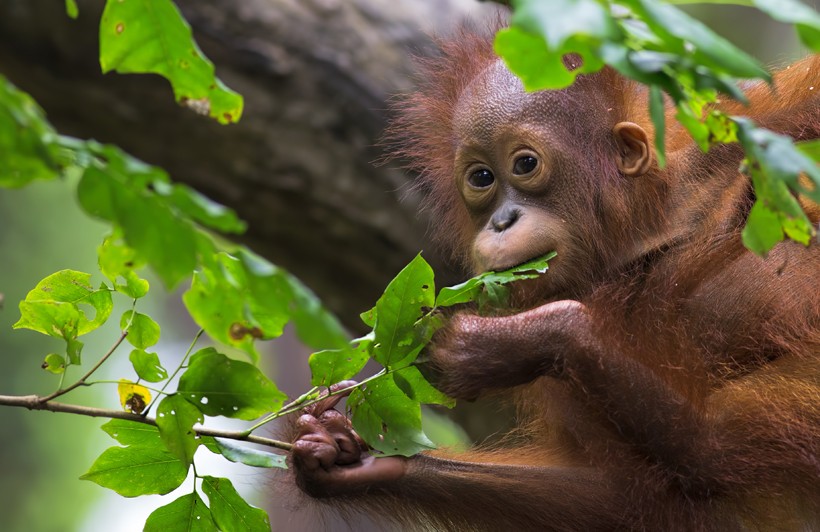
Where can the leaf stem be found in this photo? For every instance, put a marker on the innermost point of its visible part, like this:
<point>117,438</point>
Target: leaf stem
<point>297,405</point>
<point>155,390</point>
<point>174,374</point>
<point>298,402</point>
<point>35,402</point>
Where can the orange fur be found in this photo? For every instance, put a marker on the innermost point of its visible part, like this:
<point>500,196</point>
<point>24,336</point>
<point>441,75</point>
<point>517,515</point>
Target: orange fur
<point>678,389</point>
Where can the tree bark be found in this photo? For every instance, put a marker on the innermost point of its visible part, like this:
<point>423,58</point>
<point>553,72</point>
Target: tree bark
<point>316,76</point>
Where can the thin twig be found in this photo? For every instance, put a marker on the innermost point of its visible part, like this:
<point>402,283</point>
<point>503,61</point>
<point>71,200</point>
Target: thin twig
<point>35,402</point>
<point>179,367</point>
<point>296,405</point>
<point>90,372</point>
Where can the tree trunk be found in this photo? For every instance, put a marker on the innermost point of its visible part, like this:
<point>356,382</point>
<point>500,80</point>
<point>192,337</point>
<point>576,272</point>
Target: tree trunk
<point>316,76</point>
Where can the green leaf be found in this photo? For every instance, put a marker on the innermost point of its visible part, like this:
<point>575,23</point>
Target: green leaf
<point>528,57</point>
<point>776,165</point>
<point>188,513</point>
<point>201,209</point>
<point>238,300</point>
<point>277,295</point>
<point>145,36</point>
<point>721,128</point>
<point>55,306</point>
<point>209,442</point>
<point>54,363</point>
<point>120,193</point>
<point>694,125</point>
<point>494,296</point>
<point>707,80</point>
<point>443,431</point>
<point>73,350</point>
<point>235,309</point>
<point>563,21</point>
<point>542,33</point>
<point>220,386</point>
<point>249,456</point>
<point>71,8</point>
<point>810,148</point>
<point>387,418</point>
<point>219,301</point>
<point>416,387</point>
<point>230,511</point>
<point>118,260</point>
<point>709,48</point>
<point>762,229</point>
<point>404,301</point>
<point>143,331</point>
<point>335,365</point>
<point>646,66</point>
<point>779,159</point>
<point>471,289</point>
<point>369,317</point>
<point>175,419</point>
<point>147,365</point>
<point>27,141</point>
<point>133,433</point>
<point>49,317</point>
<point>137,470</point>
<point>461,293</point>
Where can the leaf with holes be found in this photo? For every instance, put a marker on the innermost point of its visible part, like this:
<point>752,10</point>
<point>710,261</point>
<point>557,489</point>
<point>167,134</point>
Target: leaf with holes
<point>220,386</point>
<point>404,301</point>
<point>387,419</point>
<point>133,397</point>
<point>176,418</point>
<point>542,33</point>
<point>147,365</point>
<point>471,289</point>
<point>56,305</point>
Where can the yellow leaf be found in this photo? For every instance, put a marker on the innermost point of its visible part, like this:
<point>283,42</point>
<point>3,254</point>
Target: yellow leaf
<point>133,397</point>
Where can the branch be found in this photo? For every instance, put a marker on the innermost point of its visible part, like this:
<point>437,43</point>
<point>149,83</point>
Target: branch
<point>35,402</point>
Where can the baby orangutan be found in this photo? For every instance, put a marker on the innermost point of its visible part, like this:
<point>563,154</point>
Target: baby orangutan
<point>666,378</point>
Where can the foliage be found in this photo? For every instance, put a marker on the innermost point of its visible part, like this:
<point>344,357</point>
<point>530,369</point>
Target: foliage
<point>152,36</point>
<point>239,298</point>
<point>386,407</point>
<point>659,45</point>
